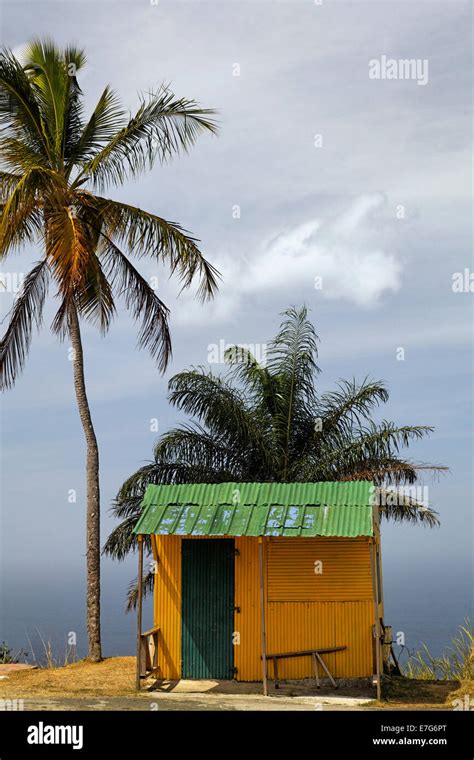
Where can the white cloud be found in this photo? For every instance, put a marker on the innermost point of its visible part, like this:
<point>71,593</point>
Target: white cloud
<point>347,252</point>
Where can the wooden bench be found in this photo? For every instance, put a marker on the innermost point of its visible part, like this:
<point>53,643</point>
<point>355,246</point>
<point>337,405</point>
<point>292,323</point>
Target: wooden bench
<point>315,654</point>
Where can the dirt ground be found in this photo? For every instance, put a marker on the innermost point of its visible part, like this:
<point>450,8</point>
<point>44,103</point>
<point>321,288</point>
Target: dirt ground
<point>110,685</point>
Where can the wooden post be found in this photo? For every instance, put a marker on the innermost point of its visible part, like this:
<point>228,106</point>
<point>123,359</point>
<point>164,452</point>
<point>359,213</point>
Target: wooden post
<point>376,618</point>
<point>139,608</point>
<point>262,613</point>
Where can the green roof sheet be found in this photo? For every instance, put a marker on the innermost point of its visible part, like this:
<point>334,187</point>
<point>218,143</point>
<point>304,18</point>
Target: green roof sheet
<point>258,509</point>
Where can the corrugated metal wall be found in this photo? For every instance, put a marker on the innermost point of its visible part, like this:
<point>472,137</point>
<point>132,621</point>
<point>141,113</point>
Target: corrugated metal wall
<point>305,609</point>
<point>167,604</point>
<point>317,569</point>
<point>306,625</point>
<point>247,621</point>
<point>337,609</point>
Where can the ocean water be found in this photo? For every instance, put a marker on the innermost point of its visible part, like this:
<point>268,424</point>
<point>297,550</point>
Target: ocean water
<point>430,614</point>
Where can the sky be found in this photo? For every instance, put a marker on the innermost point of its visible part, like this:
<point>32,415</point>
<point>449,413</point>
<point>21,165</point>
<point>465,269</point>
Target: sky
<point>325,186</point>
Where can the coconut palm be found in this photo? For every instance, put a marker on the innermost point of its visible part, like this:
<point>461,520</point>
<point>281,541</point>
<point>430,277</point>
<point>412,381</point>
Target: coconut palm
<point>55,167</point>
<point>267,422</point>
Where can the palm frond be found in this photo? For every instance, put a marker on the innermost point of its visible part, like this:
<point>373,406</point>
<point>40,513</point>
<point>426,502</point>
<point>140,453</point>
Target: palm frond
<point>403,508</point>
<point>148,581</point>
<point>216,404</point>
<point>17,155</point>
<point>351,404</point>
<point>146,234</point>
<point>68,248</point>
<point>94,300</point>
<point>8,183</point>
<point>21,219</point>
<point>26,313</point>
<point>20,115</point>
<point>162,126</point>
<point>54,84</point>
<point>128,500</point>
<point>121,541</point>
<point>294,350</point>
<point>292,361</point>
<point>103,124</point>
<point>253,376</point>
<point>192,447</point>
<point>141,300</point>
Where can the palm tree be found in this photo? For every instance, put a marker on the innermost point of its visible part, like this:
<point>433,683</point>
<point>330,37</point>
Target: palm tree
<point>54,163</point>
<point>267,422</point>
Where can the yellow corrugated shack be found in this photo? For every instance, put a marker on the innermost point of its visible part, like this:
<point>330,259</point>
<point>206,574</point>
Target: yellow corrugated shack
<point>253,575</point>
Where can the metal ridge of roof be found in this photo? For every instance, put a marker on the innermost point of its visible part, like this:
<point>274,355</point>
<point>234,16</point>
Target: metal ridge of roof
<point>332,493</point>
<point>256,509</point>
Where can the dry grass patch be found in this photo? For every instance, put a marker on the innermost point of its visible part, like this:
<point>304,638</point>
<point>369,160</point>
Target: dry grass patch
<point>465,693</point>
<point>114,676</point>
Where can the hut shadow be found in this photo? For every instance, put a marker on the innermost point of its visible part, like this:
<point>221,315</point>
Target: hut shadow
<point>283,689</point>
<point>163,686</point>
<point>197,686</point>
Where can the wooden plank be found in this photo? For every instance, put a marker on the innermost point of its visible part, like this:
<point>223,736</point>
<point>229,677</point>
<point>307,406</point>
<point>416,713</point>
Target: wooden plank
<point>316,672</point>
<point>324,666</point>
<point>155,653</point>
<point>315,655</point>
<point>305,652</point>
<point>144,658</point>
<point>151,631</point>
<point>376,618</point>
<point>262,616</point>
<point>275,670</point>
<point>139,612</point>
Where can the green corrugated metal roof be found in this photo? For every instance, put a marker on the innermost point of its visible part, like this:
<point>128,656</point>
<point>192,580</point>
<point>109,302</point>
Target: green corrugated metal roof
<point>258,509</point>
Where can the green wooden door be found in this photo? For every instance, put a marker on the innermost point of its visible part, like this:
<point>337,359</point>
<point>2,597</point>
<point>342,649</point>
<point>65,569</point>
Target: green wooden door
<point>207,608</point>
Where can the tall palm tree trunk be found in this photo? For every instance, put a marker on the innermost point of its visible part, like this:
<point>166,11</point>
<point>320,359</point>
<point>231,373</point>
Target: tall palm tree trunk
<point>93,494</point>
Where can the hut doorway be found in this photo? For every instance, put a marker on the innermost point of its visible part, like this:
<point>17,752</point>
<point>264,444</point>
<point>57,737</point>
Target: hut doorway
<point>208,608</point>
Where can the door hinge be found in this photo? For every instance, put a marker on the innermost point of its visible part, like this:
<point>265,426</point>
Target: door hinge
<point>236,609</point>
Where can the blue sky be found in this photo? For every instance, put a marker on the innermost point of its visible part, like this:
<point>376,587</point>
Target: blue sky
<point>364,183</point>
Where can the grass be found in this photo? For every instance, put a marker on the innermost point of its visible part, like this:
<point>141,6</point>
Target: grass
<point>456,663</point>
<point>48,659</point>
<point>7,656</point>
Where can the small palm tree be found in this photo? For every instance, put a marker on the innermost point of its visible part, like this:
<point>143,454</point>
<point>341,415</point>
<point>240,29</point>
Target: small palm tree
<point>54,163</point>
<point>266,422</point>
